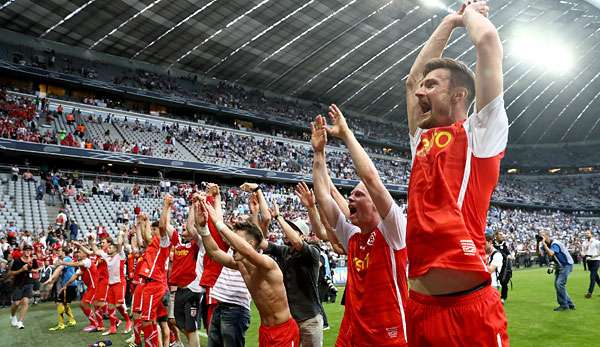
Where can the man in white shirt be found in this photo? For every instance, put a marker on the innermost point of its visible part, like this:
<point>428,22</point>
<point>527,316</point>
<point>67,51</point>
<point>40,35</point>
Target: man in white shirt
<point>591,249</point>
<point>494,260</point>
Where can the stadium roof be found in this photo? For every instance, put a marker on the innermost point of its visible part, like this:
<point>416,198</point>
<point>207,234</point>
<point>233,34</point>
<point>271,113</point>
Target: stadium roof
<point>355,53</point>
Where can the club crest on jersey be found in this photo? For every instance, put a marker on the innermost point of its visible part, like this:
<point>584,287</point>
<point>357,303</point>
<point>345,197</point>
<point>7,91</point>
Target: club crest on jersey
<point>371,239</point>
<point>439,140</point>
<point>468,247</point>
<point>392,332</point>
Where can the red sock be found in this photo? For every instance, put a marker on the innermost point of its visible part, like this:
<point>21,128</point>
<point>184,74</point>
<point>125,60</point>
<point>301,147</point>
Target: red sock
<point>123,312</point>
<point>172,336</point>
<point>89,314</point>
<point>137,328</point>
<point>150,335</point>
<point>112,317</point>
<point>99,318</point>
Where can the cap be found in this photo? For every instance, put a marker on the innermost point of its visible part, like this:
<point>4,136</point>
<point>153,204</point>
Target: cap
<point>300,226</point>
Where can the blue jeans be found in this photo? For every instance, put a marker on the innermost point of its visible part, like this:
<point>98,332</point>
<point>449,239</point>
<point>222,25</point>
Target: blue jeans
<point>560,283</point>
<point>228,326</point>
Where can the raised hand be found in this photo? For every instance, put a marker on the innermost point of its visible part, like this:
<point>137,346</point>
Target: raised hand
<point>200,217</point>
<point>339,126</point>
<point>213,189</point>
<point>479,6</point>
<point>168,200</point>
<point>209,211</point>
<point>249,187</point>
<point>275,209</point>
<point>253,204</point>
<point>307,198</point>
<point>318,138</point>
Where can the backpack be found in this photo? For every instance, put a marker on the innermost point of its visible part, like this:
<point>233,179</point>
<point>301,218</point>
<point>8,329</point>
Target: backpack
<point>505,275</point>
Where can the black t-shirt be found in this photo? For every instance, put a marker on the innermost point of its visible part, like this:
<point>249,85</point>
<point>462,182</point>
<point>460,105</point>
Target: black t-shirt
<point>22,278</point>
<point>300,276</point>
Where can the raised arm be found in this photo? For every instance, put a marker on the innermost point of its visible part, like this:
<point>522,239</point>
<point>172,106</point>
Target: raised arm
<point>211,247</point>
<point>55,275</point>
<point>164,223</point>
<point>82,247</point>
<point>120,241</point>
<point>307,198</point>
<point>339,199</point>
<point>214,191</point>
<point>265,215</point>
<point>434,47</point>
<point>237,242</point>
<point>362,163</point>
<point>144,232</point>
<point>288,231</point>
<point>483,34</point>
<point>321,179</point>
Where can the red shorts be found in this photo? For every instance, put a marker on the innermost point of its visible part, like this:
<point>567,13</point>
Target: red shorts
<point>102,291</point>
<point>136,299</point>
<point>343,338</point>
<point>89,296</point>
<point>283,335</point>
<point>152,305</point>
<point>116,294</point>
<point>475,320</point>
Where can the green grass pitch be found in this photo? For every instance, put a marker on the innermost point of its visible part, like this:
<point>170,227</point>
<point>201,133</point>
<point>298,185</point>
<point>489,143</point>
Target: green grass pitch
<point>529,309</point>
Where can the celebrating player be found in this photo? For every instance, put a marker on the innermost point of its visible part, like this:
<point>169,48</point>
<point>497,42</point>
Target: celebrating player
<point>260,272</point>
<point>456,162</point>
<point>376,291</point>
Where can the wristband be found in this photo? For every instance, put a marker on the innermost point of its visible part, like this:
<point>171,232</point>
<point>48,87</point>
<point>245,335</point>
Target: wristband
<point>258,187</point>
<point>220,226</point>
<point>203,231</point>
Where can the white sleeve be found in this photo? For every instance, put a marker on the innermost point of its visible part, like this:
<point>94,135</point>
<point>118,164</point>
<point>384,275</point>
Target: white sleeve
<point>393,227</point>
<point>497,260</point>
<point>489,128</point>
<point>345,230</point>
<point>414,141</point>
<point>87,263</point>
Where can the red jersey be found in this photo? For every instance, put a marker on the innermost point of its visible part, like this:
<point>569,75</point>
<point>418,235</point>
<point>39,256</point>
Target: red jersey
<point>212,269</point>
<point>155,260</point>
<point>377,288</point>
<point>455,170</point>
<point>183,265</point>
<point>89,273</point>
<point>102,267</point>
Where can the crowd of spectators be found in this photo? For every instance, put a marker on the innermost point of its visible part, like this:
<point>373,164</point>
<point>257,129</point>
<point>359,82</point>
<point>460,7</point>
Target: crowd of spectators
<point>223,94</point>
<point>520,227</point>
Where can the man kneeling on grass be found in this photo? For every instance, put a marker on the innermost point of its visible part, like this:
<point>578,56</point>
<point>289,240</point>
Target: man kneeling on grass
<point>260,272</point>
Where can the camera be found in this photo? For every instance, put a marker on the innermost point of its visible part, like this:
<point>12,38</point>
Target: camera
<point>551,268</point>
<point>538,238</point>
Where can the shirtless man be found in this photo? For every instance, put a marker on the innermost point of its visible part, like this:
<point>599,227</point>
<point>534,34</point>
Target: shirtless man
<point>260,272</point>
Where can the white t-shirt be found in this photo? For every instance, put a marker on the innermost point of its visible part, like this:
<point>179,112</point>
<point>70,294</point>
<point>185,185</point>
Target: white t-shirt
<point>496,260</point>
<point>591,248</point>
<point>114,266</point>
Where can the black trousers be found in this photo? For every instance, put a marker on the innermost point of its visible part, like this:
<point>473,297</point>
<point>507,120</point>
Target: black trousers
<point>593,266</point>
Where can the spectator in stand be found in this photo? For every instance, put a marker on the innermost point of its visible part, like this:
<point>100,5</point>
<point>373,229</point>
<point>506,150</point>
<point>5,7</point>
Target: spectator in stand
<point>15,173</point>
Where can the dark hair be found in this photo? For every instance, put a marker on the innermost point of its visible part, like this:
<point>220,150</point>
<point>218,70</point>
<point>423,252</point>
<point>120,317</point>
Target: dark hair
<point>67,250</point>
<point>460,75</point>
<point>154,224</point>
<point>489,237</point>
<point>252,230</point>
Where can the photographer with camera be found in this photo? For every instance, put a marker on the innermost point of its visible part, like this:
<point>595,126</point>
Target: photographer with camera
<point>504,275</point>
<point>563,265</point>
<point>591,250</point>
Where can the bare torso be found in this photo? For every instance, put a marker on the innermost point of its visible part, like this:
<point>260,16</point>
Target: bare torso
<point>268,292</point>
<point>445,281</point>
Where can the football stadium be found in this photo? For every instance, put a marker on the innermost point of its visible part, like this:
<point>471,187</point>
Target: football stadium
<point>349,173</point>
